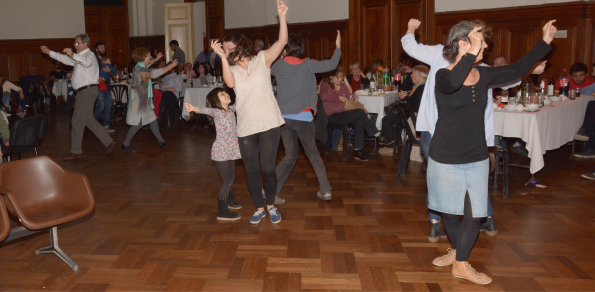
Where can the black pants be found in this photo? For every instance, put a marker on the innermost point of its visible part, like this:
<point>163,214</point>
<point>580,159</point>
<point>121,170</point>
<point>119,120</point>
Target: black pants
<point>360,122</point>
<point>589,124</point>
<point>227,171</point>
<point>462,235</point>
<point>264,144</point>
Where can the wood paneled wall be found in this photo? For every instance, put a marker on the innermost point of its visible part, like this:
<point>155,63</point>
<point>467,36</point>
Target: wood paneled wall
<point>517,30</point>
<point>319,37</point>
<point>151,42</point>
<point>16,56</point>
<point>110,26</point>
<point>215,12</point>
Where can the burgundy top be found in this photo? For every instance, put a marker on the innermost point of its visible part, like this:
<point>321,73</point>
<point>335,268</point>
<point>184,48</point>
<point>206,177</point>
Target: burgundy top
<point>330,98</point>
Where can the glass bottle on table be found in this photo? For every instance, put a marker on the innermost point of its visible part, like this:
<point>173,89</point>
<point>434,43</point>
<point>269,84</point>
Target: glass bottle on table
<point>550,86</point>
<point>372,83</point>
<point>563,83</point>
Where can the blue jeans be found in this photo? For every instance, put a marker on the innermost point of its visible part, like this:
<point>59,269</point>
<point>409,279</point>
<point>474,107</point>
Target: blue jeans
<point>104,106</point>
<point>6,100</point>
<point>426,139</point>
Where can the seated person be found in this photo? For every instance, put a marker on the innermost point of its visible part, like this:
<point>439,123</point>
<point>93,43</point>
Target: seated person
<point>188,73</point>
<point>578,77</point>
<point>56,74</point>
<point>7,88</point>
<point>357,78</point>
<point>587,131</point>
<point>4,131</point>
<point>406,82</point>
<point>203,73</point>
<point>32,77</point>
<point>334,92</point>
<point>171,86</point>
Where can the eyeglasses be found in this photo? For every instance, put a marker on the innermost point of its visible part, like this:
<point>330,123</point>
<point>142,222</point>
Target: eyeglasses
<point>76,44</point>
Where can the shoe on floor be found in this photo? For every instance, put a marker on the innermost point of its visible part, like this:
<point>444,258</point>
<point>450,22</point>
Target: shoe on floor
<point>128,148</point>
<point>223,212</point>
<point>359,155</point>
<point>274,215</point>
<point>590,175</point>
<point>72,156</point>
<point>582,135</point>
<point>230,202</point>
<point>162,145</point>
<point>324,197</point>
<point>447,259</point>
<point>587,153</point>
<point>520,150</point>
<point>279,200</point>
<point>258,215</point>
<point>110,147</point>
<point>489,227</point>
<point>436,232</point>
<point>471,275</point>
<point>384,141</point>
<point>110,130</point>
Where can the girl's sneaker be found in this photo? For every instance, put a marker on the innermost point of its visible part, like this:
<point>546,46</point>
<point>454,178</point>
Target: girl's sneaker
<point>275,216</point>
<point>258,215</point>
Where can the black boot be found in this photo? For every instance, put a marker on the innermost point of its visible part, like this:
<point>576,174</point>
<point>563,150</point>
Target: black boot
<point>230,202</point>
<point>436,232</point>
<point>489,227</point>
<point>224,213</point>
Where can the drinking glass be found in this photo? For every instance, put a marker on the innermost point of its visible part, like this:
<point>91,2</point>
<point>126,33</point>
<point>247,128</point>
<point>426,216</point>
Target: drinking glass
<point>512,100</point>
<point>571,94</point>
<point>504,95</point>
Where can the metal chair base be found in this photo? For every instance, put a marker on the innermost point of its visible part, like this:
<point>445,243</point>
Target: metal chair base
<point>55,249</point>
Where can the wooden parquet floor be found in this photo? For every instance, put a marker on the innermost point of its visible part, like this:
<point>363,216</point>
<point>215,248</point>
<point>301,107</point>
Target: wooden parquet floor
<point>154,227</point>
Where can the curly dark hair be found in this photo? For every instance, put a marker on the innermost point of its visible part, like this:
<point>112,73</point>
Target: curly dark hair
<point>295,46</point>
<point>213,98</point>
<point>579,67</point>
<point>460,32</point>
<point>243,47</point>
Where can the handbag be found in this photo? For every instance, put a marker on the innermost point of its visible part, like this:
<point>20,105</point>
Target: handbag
<point>352,104</point>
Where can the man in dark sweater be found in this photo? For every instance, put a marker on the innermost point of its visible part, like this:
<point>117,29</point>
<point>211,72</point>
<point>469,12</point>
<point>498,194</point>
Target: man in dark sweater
<point>297,96</point>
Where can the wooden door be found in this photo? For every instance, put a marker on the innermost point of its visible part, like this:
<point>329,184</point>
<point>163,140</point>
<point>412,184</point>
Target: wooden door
<point>110,26</point>
<point>178,26</point>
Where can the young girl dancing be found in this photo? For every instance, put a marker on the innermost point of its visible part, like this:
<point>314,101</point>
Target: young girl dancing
<point>225,149</point>
<point>259,117</point>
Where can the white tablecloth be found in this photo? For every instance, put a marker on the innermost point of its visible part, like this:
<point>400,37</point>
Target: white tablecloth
<point>547,129</point>
<point>60,88</point>
<point>196,96</point>
<point>376,103</point>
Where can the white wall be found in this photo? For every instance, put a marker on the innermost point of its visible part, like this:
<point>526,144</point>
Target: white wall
<point>250,13</point>
<point>146,16</point>
<point>200,27</point>
<point>41,19</point>
<point>458,5</point>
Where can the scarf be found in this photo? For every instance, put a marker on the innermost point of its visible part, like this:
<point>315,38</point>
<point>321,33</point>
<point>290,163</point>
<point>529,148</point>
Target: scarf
<point>416,86</point>
<point>149,88</point>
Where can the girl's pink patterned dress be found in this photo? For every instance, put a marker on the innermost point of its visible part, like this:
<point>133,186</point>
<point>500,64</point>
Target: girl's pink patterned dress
<point>226,145</point>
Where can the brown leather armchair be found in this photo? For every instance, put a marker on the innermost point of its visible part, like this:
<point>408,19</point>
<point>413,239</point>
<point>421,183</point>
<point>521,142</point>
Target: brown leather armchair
<point>4,221</point>
<point>49,197</point>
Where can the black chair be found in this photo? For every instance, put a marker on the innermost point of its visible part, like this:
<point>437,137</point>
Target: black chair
<point>118,92</point>
<point>26,134</point>
<point>500,153</point>
<point>346,137</point>
<point>38,93</point>
<point>405,111</point>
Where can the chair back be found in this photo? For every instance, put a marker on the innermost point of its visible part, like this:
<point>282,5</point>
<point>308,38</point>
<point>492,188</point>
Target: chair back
<point>4,221</point>
<point>405,111</point>
<point>119,90</point>
<point>38,89</point>
<point>28,132</point>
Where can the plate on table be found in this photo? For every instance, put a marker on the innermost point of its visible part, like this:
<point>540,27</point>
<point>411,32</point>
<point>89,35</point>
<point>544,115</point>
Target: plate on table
<point>532,107</point>
<point>556,98</point>
<point>511,108</point>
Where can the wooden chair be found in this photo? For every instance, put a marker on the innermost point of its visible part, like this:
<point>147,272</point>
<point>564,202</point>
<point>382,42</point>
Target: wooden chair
<point>405,111</point>
<point>51,196</point>
<point>118,91</point>
<point>26,134</point>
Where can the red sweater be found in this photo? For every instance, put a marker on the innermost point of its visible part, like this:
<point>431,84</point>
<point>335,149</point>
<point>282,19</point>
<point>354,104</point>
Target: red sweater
<point>330,98</point>
<point>588,81</point>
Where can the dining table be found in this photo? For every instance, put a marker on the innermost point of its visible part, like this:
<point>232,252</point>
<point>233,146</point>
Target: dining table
<point>60,87</point>
<point>196,96</point>
<point>548,128</point>
<point>375,103</point>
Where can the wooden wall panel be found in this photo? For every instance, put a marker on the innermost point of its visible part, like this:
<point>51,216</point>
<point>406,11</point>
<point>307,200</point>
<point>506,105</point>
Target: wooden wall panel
<point>110,26</point>
<point>215,19</point>
<point>151,42</point>
<point>16,56</point>
<point>375,31</point>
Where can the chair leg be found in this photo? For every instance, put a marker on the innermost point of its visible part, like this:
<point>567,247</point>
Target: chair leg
<point>55,249</point>
<point>496,170</point>
<point>572,153</point>
<point>36,154</point>
<point>505,174</point>
<point>346,139</point>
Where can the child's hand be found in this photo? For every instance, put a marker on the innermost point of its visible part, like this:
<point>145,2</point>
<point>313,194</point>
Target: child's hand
<point>188,107</point>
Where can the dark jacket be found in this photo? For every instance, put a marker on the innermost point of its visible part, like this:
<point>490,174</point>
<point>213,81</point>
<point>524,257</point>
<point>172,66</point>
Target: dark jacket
<point>365,81</point>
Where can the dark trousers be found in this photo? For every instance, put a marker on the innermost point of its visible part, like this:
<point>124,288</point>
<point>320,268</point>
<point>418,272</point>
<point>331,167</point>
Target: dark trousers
<point>360,122</point>
<point>264,145</point>
<point>83,117</point>
<point>589,124</point>
<point>290,132</point>
<point>227,171</point>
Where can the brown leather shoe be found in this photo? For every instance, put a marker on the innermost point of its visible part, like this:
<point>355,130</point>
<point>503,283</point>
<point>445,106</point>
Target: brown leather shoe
<point>446,260</point>
<point>470,274</point>
<point>110,147</point>
<point>72,156</point>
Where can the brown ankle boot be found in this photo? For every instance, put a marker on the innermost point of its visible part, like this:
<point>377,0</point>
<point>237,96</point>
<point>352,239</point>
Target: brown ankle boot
<point>447,259</point>
<point>470,274</point>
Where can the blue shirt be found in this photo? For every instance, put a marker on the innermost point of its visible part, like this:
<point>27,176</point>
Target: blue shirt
<point>305,116</point>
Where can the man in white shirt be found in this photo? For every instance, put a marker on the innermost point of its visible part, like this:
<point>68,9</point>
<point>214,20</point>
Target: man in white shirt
<point>85,77</point>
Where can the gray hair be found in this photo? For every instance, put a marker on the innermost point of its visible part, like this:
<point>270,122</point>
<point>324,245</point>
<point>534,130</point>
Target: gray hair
<point>353,64</point>
<point>84,39</point>
<point>459,32</point>
<point>422,74</point>
<point>260,42</point>
<point>500,56</point>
